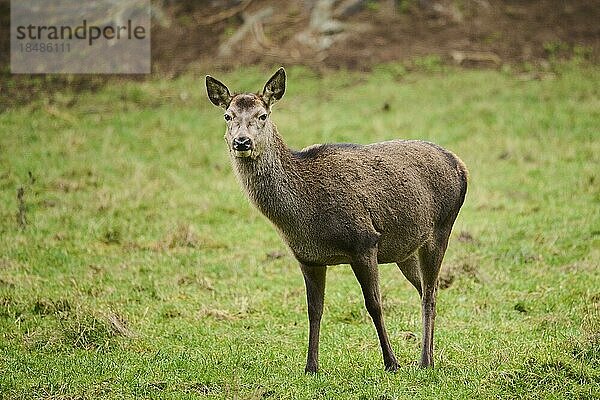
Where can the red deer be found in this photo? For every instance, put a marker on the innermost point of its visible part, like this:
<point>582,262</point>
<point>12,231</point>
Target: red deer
<point>363,205</point>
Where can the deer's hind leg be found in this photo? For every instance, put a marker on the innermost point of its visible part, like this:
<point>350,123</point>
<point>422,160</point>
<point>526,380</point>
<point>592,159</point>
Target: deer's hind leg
<point>410,269</point>
<point>430,261</point>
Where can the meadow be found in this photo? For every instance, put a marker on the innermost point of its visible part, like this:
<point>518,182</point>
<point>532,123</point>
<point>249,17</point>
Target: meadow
<point>132,266</point>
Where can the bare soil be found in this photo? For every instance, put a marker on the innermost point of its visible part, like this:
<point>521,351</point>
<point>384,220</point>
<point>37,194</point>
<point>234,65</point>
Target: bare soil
<point>477,33</point>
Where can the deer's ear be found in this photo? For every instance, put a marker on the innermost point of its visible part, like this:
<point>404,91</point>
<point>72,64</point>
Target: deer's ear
<point>217,92</point>
<point>274,88</point>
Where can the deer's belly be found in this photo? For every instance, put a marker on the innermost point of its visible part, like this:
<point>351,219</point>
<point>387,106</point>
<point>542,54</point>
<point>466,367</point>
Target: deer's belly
<point>310,250</point>
<point>329,247</point>
<point>314,248</point>
<point>319,255</point>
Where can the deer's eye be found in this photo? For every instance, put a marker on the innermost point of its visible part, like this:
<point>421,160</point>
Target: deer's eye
<point>227,117</point>
<point>263,117</point>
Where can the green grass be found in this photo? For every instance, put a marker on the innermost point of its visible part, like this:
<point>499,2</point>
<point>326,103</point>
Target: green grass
<point>143,272</point>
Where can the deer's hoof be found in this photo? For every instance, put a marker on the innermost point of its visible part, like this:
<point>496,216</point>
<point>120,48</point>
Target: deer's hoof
<point>311,369</point>
<point>392,367</point>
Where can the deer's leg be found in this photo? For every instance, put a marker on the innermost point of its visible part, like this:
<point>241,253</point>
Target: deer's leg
<point>410,270</point>
<point>431,255</point>
<point>428,315</point>
<point>367,273</point>
<point>314,279</point>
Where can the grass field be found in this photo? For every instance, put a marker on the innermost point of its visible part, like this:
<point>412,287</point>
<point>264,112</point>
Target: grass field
<point>132,266</point>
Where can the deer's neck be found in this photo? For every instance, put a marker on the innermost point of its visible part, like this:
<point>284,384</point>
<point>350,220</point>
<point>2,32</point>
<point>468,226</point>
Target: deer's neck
<point>271,182</point>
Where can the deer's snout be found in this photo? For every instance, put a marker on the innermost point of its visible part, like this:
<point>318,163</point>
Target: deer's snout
<point>242,146</point>
<point>242,143</point>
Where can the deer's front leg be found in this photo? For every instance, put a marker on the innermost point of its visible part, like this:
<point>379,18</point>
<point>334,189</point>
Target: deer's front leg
<point>314,279</point>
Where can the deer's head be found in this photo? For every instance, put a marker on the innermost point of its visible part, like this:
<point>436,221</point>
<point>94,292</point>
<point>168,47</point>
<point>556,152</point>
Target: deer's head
<point>247,115</point>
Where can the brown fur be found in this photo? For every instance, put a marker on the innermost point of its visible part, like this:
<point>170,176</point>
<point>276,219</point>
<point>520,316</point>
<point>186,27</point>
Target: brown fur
<point>361,205</point>
<point>246,101</point>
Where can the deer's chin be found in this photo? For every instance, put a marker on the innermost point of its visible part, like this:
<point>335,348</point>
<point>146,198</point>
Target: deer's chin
<point>242,154</point>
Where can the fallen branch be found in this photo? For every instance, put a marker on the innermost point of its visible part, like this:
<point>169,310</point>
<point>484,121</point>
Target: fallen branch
<point>223,15</point>
<point>250,20</point>
<point>259,35</point>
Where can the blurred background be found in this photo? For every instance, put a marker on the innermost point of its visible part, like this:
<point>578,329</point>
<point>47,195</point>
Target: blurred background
<point>213,35</point>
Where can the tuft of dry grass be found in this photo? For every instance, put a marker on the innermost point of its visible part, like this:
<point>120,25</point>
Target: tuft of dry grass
<point>89,329</point>
<point>184,235</point>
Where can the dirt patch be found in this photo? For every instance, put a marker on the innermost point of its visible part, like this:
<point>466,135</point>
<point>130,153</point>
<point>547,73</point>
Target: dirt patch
<point>469,33</point>
<point>467,268</point>
<point>487,33</point>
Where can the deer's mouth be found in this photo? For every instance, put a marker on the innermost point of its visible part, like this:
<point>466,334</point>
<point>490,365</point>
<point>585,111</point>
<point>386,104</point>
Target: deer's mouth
<point>242,153</point>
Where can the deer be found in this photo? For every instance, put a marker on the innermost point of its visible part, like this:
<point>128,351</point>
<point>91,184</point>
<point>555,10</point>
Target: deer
<point>363,205</point>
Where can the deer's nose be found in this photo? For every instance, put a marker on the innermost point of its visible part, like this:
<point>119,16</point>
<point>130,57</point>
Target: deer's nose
<point>242,143</point>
